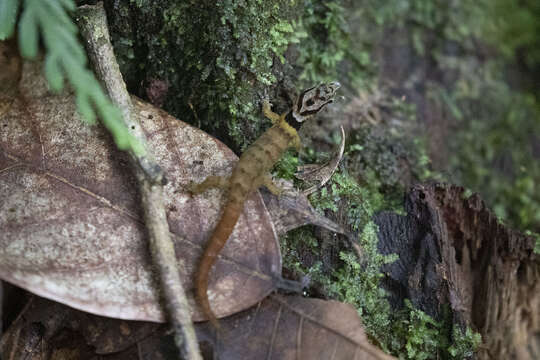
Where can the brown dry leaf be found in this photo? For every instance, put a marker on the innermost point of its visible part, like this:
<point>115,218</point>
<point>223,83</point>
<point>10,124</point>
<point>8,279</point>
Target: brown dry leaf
<point>321,173</point>
<point>280,327</point>
<point>293,327</point>
<point>71,220</point>
<point>39,328</point>
<point>292,209</point>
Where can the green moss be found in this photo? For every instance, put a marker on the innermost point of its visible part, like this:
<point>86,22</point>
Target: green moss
<point>421,337</point>
<point>360,202</point>
<point>218,58</point>
<point>408,333</point>
<point>464,343</point>
<point>491,153</point>
<point>227,50</point>
<point>358,284</point>
<point>376,158</point>
<point>325,47</point>
<point>350,282</point>
<point>513,28</point>
<point>328,51</point>
<point>537,243</point>
<point>286,166</point>
<point>215,56</point>
<point>492,144</point>
<point>295,244</point>
<point>507,25</point>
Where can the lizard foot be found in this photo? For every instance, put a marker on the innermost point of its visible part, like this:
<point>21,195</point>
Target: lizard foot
<point>268,182</point>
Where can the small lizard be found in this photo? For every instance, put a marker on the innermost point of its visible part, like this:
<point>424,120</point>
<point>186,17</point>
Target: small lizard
<point>252,171</point>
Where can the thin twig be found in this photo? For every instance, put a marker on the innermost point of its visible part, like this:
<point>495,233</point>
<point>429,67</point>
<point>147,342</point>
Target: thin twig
<point>1,306</point>
<point>93,24</point>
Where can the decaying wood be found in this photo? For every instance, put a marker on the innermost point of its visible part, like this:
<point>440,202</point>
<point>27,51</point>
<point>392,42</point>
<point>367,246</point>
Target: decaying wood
<point>454,251</point>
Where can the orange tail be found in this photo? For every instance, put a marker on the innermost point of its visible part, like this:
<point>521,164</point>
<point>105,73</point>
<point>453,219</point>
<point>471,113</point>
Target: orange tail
<point>221,234</point>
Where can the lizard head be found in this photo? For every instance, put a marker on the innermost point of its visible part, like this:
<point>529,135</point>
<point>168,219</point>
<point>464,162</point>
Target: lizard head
<point>312,100</point>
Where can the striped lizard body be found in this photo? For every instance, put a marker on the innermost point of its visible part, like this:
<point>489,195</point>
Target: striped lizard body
<point>252,171</point>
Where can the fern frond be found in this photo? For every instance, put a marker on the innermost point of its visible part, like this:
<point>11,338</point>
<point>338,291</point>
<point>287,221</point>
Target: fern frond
<point>65,58</point>
<point>8,16</point>
<point>29,33</point>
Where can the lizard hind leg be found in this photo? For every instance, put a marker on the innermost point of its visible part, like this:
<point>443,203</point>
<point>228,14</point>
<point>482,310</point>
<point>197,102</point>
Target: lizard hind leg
<point>211,182</point>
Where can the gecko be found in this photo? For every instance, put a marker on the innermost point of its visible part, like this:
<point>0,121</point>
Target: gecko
<point>252,171</point>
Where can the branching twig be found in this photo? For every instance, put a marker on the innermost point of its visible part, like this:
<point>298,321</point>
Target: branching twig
<point>93,25</point>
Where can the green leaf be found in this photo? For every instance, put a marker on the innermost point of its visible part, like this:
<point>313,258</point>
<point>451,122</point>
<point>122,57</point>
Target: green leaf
<point>8,16</point>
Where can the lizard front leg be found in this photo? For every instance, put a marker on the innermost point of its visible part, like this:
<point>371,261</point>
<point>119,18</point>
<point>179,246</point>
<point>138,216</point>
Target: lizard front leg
<point>267,111</point>
<point>297,143</point>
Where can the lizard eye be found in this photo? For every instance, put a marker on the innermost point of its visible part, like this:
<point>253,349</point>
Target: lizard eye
<point>310,102</point>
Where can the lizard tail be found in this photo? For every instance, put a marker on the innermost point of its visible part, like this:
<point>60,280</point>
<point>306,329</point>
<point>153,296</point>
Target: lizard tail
<point>223,230</point>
